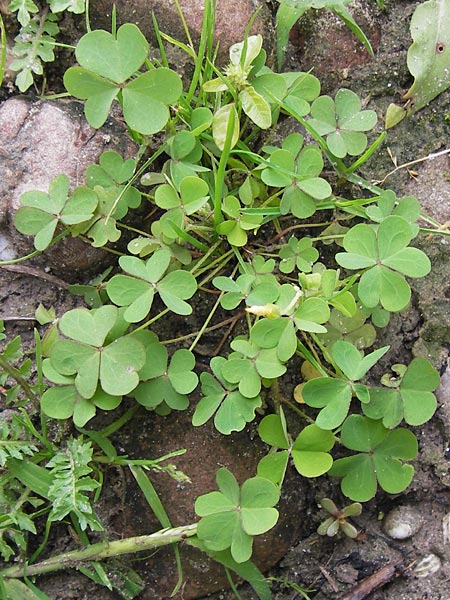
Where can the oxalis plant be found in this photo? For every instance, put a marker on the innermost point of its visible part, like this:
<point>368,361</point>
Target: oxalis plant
<point>248,220</point>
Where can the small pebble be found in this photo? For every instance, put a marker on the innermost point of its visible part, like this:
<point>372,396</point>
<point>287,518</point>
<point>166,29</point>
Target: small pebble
<point>402,523</point>
<point>428,565</point>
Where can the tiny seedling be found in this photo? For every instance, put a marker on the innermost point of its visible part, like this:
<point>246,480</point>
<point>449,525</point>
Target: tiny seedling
<point>338,521</point>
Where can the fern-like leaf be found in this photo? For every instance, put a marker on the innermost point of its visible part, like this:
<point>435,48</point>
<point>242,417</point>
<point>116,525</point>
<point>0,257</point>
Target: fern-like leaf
<point>34,44</point>
<point>13,441</point>
<point>75,6</point>
<point>23,9</point>
<point>14,521</point>
<point>70,470</point>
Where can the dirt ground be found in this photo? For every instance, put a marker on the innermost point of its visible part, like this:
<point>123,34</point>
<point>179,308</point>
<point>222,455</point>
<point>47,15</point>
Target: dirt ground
<point>333,568</point>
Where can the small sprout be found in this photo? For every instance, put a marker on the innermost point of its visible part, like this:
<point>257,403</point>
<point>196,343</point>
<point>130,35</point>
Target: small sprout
<point>338,519</point>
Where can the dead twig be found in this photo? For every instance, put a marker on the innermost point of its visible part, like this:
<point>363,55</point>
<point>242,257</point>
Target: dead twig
<point>24,270</point>
<point>375,581</point>
<point>330,580</point>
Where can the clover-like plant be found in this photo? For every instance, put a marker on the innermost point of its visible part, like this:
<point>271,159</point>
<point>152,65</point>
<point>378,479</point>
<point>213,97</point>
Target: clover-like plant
<point>290,313</point>
<point>109,63</point>
<point>221,398</point>
<point>248,287</point>
<point>137,289</point>
<point>385,257</point>
<point>40,213</point>
<point>333,394</point>
<point>162,383</point>
<point>342,122</point>
<point>309,451</point>
<point>222,205</point>
<point>298,254</point>
<point>239,222</point>
<point>64,401</point>
<point>353,329</point>
<point>232,516</point>
<point>94,355</point>
<point>380,460</point>
<point>408,396</point>
<point>296,169</point>
<point>407,207</point>
<point>248,364</point>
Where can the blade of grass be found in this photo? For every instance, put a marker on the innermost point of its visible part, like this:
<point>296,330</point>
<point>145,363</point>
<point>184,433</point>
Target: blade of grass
<point>155,504</point>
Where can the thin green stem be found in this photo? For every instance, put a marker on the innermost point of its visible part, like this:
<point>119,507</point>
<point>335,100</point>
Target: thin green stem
<point>207,320</point>
<point>133,229</point>
<point>103,550</point>
<point>296,409</point>
<point>14,373</point>
<point>205,257</point>
<point>14,261</point>
<point>120,422</point>
<point>88,24</point>
<point>444,232</point>
<point>221,261</point>
<point>150,321</point>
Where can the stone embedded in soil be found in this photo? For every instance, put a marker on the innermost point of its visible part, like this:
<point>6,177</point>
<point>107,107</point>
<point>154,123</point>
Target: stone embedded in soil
<point>431,563</point>
<point>41,139</point>
<point>322,42</point>
<point>151,436</point>
<point>232,17</point>
<point>402,522</point>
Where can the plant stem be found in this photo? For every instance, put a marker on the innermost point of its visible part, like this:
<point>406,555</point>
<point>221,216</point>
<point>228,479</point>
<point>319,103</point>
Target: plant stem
<point>207,320</point>
<point>14,373</point>
<point>14,261</point>
<point>120,422</point>
<point>103,550</point>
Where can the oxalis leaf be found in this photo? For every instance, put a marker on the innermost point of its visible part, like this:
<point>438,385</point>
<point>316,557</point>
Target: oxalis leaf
<point>64,401</point>
<point>40,213</point>
<point>428,59</point>
<point>342,122</point>
<point>384,254</point>
<point>309,451</point>
<point>297,169</point>
<point>412,399</point>
<point>107,62</point>
<point>231,517</point>
<point>332,395</point>
<point>231,410</point>
<point>92,357</point>
<point>169,384</point>
<point>380,458</point>
<point>137,290</point>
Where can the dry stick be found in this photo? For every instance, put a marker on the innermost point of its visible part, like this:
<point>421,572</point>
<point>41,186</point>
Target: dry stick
<point>226,335</point>
<point>24,270</point>
<point>375,581</point>
<point>414,162</point>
